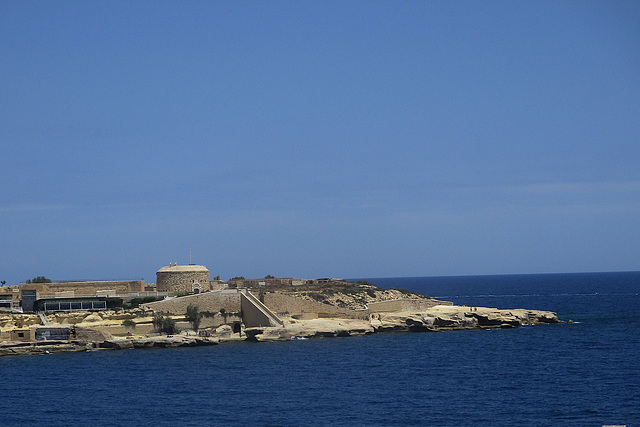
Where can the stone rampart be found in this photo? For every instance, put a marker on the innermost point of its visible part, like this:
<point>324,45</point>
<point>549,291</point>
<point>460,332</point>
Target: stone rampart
<point>296,306</point>
<point>208,301</point>
<point>252,315</point>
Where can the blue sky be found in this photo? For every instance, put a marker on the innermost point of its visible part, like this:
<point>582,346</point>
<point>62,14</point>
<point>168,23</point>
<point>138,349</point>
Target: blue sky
<point>309,139</point>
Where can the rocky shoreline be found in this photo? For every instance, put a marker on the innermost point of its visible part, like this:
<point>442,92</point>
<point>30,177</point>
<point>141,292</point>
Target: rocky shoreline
<point>435,319</point>
<point>71,346</point>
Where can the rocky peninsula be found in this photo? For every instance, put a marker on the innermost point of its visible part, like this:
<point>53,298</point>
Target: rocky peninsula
<point>329,310</point>
<point>435,319</point>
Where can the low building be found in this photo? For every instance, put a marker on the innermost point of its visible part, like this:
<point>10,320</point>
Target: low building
<point>77,304</point>
<point>84,288</point>
<point>22,335</point>
<point>6,300</point>
<point>217,284</point>
<point>11,293</point>
<point>266,282</point>
<point>52,333</point>
<point>28,299</point>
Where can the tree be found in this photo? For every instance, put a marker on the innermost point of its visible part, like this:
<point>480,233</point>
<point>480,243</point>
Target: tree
<point>157,320</point>
<point>128,323</point>
<point>169,326</point>
<point>39,279</point>
<point>223,312</point>
<point>237,278</point>
<point>164,324</point>
<point>135,302</point>
<point>193,316</point>
<point>268,276</point>
<point>3,282</point>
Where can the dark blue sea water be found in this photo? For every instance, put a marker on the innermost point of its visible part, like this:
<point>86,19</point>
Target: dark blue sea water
<point>585,373</point>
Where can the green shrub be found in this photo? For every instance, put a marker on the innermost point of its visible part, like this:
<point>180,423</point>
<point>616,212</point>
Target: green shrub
<point>317,296</point>
<point>169,326</point>
<point>39,279</point>
<point>164,324</point>
<point>135,302</point>
<point>193,316</point>
<point>128,323</point>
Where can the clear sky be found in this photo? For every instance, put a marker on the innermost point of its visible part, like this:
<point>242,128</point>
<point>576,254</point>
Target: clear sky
<point>311,139</point>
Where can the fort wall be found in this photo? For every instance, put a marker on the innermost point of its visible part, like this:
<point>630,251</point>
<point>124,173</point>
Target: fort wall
<point>209,301</point>
<point>296,306</point>
<point>252,315</point>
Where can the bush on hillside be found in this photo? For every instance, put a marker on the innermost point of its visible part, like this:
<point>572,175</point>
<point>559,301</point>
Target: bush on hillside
<point>164,324</point>
<point>135,302</point>
<point>128,323</point>
<point>193,316</point>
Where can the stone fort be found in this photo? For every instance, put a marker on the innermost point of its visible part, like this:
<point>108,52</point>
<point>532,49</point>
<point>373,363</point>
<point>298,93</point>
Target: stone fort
<point>183,278</point>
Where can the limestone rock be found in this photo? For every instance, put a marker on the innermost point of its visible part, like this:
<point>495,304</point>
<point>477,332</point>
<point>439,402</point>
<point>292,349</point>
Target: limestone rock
<point>173,341</point>
<point>92,335</point>
<point>117,344</point>
<point>315,328</point>
<point>93,317</point>
<point>458,317</point>
<point>224,330</point>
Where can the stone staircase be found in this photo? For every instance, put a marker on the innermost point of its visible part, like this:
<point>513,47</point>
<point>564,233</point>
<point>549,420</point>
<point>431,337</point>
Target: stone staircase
<point>43,318</point>
<point>255,303</point>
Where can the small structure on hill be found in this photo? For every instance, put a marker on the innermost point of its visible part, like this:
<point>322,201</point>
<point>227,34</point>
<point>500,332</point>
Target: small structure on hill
<point>267,281</point>
<point>6,300</point>
<point>183,278</point>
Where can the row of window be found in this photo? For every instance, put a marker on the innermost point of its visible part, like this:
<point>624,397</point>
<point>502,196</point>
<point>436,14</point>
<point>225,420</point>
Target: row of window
<point>70,306</point>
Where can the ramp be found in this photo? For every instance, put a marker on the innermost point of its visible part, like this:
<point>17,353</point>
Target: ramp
<point>255,313</point>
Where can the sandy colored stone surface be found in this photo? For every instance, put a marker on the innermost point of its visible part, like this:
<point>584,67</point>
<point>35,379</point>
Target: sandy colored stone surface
<point>311,329</point>
<point>94,330</point>
<point>459,317</point>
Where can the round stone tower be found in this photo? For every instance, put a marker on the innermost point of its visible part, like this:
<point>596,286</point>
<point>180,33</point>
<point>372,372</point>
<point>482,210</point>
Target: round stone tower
<point>182,278</point>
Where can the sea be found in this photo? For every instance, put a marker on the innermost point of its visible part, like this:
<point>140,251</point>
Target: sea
<point>580,373</point>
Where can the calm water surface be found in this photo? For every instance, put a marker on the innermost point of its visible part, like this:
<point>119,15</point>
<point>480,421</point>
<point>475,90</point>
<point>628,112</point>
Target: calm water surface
<point>580,374</point>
